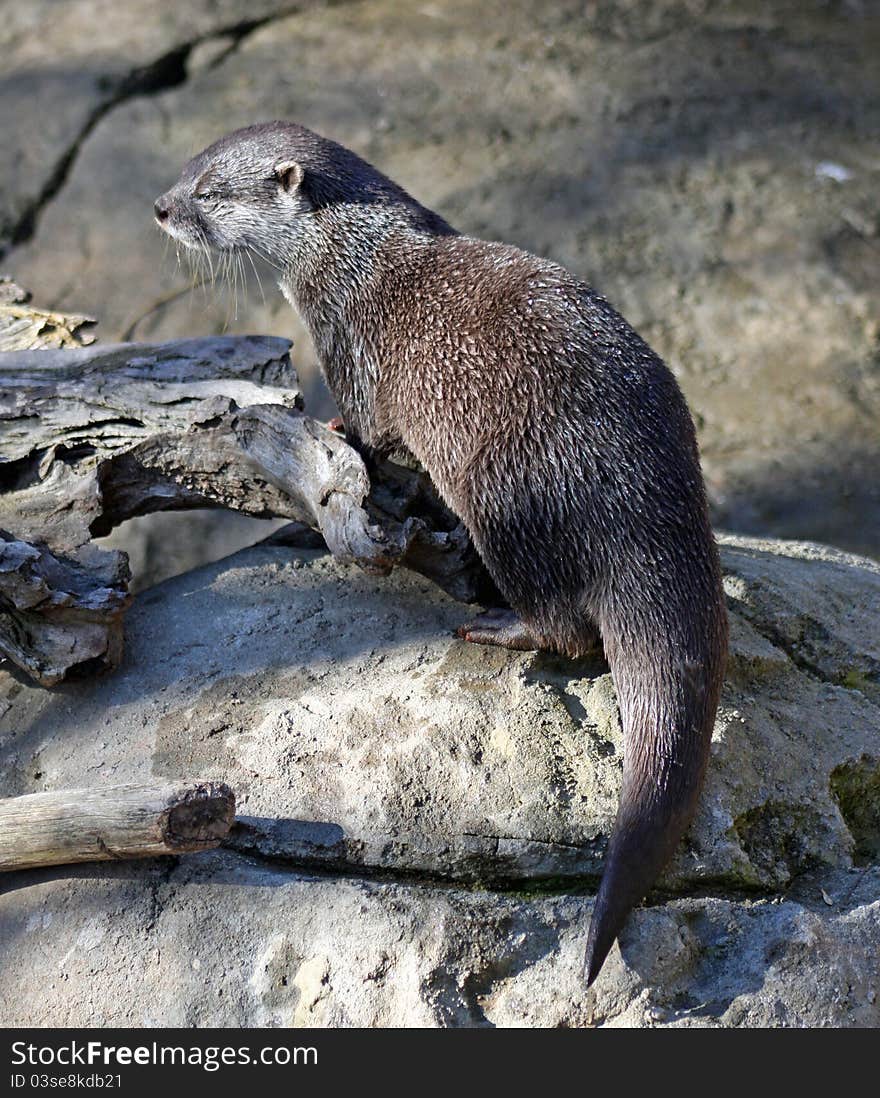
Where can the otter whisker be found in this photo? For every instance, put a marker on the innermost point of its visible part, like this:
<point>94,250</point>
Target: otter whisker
<point>237,282</point>
<point>231,289</point>
<point>196,259</point>
<point>268,259</point>
<point>209,256</point>
<point>232,286</point>
<point>206,255</point>
<point>242,274</point>
<point>250,259</point>
<point>232,276</point>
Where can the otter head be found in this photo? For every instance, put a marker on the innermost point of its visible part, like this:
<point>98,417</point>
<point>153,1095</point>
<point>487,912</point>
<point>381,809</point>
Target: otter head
<point>256,188</point>
<point>247,191</point>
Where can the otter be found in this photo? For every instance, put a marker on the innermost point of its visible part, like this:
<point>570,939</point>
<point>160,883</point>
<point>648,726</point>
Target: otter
<point>560,439</point>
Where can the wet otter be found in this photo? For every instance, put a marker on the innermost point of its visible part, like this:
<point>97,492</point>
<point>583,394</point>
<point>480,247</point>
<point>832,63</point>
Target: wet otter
<point>547,424</point>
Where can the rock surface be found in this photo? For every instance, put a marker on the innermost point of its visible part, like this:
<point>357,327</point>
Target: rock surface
<point>226,942</point>
<point>452,802</point>
<point>712,167</point>
<point>66,65</point>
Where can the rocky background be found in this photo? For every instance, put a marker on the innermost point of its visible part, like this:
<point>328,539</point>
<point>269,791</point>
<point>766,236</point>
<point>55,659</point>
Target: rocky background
<point>712,166</point>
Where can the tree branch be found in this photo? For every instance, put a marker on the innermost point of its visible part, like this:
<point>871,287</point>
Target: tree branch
<point>123,821</point>
<point>92,436</point>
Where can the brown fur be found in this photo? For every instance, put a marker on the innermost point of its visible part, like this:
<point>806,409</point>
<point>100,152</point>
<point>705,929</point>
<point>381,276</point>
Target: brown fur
<point>555,433</point>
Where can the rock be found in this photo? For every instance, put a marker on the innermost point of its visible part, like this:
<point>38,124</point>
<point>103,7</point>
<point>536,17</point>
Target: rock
<point>669,157</point>
<point>165,544</point>
<point>222,941</point>
<point>365,742</point>
<point>65,66</point>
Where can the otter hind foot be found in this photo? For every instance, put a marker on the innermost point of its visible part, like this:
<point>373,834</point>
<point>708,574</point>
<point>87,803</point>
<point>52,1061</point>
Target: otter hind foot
<point>502,628</point>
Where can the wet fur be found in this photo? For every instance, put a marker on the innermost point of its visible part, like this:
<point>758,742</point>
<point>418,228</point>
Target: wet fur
<point>547,424</point>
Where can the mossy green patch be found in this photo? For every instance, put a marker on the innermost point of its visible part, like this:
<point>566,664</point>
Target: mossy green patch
<point>782,839</point>
<point>855,785</point>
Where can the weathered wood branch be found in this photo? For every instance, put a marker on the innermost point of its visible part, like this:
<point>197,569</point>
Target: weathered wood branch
<point>90,437</point>
<point>123,821</point>
<point>22,327</point>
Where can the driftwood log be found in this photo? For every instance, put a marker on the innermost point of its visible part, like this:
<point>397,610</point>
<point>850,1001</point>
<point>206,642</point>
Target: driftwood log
<point>91,436</point>
<point>123,821</point>
<point>23,328</point>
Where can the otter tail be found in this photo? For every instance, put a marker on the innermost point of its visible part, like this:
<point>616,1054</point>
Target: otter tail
<point>668,674</point>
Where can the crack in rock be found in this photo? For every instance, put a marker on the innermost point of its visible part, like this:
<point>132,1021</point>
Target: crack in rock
<point>170,70</point>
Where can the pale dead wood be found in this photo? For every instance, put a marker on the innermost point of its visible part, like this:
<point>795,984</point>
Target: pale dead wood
<point>92,436</point>
<point>22,327</point>
<point>123,821</point>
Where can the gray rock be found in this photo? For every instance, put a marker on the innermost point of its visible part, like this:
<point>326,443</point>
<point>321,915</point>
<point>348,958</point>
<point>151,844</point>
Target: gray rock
<point>715,174</point>
<point>222,941</point>
<point>65,65</point>
<point>163,545</point>
<point>364,741</point>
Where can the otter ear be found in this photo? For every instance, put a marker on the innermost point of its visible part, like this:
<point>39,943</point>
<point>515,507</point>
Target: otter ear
<point>289,175</point>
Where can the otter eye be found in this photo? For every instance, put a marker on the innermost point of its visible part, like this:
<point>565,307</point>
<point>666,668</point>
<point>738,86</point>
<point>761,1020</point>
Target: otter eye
<point>203,190</point>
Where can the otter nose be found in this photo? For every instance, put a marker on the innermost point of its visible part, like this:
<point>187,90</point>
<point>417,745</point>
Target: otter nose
<point>161,208</point>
